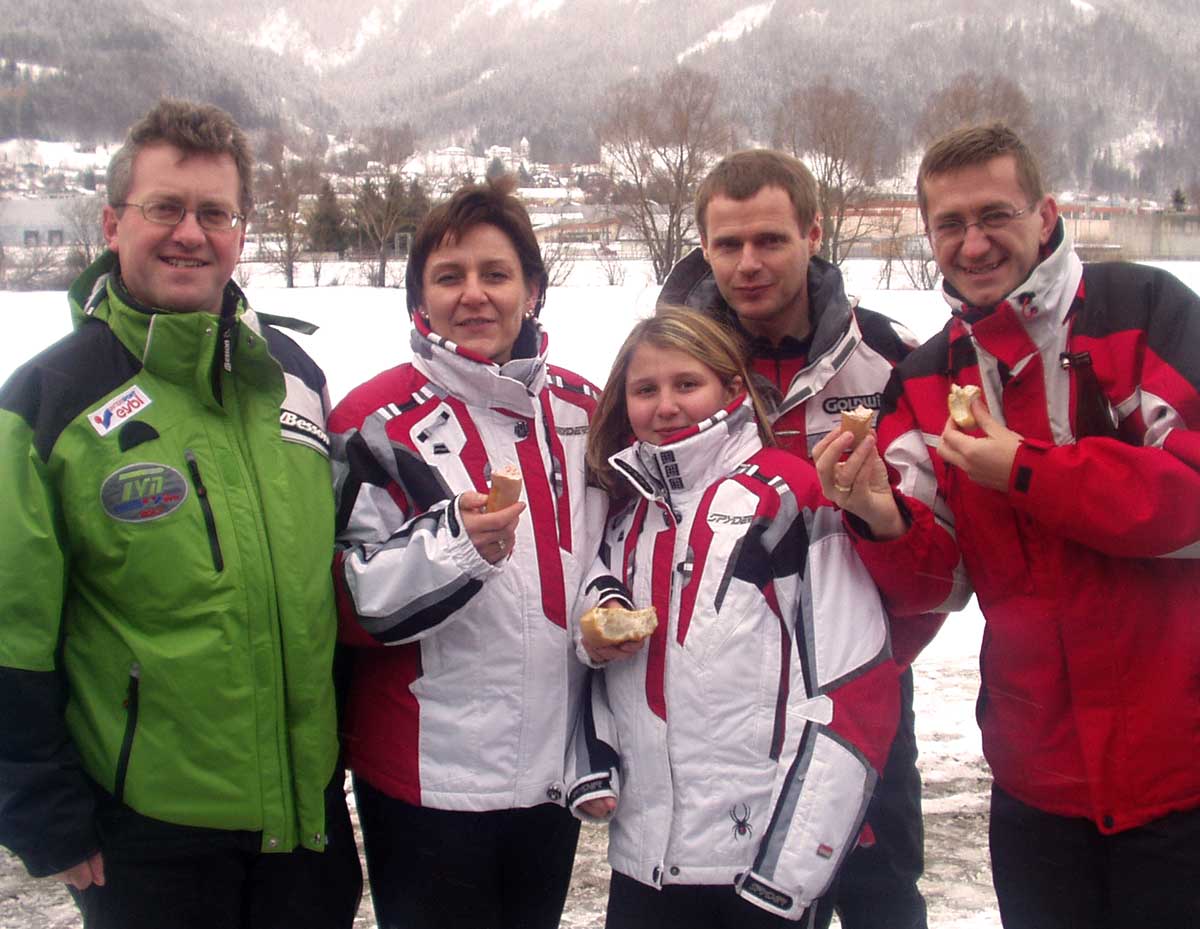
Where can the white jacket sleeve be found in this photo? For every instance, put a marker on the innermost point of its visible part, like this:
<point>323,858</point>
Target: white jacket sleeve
<point>592,763</point>
<point>404,563</point>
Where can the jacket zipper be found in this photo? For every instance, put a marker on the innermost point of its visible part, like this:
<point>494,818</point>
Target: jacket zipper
<point>210,522</point>
<point>131,715</point>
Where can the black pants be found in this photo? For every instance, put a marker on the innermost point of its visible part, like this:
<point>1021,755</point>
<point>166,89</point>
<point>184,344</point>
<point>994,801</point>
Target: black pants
<point>1059,872</point>
<point>876,887</point>
<point>633,905</point>
<point>163,876</point>
<point>446,869</point>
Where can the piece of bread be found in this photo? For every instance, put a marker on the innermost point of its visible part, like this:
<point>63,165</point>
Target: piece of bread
<point>614,625</point>
<point>857,422</point>
<point>959,403</point>
<point>505,489</point>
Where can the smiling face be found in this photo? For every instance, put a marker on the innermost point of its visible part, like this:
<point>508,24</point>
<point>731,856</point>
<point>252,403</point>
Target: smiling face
<point>667,390</point>
<point>181,268</point>
<point>475,293</point>
<point>759,257</point>
<point>987,265</point>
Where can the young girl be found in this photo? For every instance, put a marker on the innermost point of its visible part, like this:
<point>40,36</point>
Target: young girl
<point>736,750</point>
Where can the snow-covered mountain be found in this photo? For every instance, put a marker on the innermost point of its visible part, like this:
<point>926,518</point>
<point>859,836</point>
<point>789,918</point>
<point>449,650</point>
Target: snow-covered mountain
<point>1098,72</point>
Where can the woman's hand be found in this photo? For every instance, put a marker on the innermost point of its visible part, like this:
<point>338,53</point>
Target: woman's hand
<point>599,808</point>
<point>492,534</point>
<point>859,484</point>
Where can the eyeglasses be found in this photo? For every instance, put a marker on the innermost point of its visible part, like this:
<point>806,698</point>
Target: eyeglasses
<point>953,231</point>
<point>168,213</point>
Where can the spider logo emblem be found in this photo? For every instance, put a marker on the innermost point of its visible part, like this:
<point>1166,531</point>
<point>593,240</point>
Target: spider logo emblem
<point>741,821</point>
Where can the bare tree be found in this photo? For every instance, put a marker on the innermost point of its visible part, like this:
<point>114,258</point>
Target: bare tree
<point>971,98</point>
<point>914,255</point>
<point>85,233</point>
<point>559,261</point>
<point>660,135</point>
<point>380,214</point>
<point>844,138</point>
<point>36,267</point>
<point>611,265</point>
<point>284,220</point>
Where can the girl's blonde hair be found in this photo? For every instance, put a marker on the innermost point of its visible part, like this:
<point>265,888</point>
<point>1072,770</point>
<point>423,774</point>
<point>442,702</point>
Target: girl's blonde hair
<point>696,334</point>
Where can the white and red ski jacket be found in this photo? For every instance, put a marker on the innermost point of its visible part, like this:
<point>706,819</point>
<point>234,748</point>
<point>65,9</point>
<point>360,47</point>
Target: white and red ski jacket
<point>472,702</point>
<point>1086,567</point>
<point>743,741</point>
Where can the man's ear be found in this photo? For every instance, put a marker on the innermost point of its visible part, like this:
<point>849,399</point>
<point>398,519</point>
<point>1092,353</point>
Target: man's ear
<point>814,236</point>
<point>108,223</point>
<point>1048,212</point>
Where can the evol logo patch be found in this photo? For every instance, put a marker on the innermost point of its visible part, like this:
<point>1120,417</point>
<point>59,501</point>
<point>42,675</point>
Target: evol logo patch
<point>119,409</point>
<point>141,492</point>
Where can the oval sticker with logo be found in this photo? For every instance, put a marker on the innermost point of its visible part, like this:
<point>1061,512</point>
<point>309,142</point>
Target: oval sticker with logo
<point>138,493</point>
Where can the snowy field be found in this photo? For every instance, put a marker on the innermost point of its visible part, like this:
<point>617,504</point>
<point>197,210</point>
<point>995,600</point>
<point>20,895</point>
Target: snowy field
<point>365,330</point>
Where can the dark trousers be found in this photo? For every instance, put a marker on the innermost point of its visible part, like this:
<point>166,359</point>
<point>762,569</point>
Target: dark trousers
<point>448,869</point>
<point>876,887</point>
<point>164,876</point>
<point>633,905</point>
<point>1061,872</point>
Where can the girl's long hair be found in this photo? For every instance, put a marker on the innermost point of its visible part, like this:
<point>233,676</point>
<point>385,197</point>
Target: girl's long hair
<point>698,335</point>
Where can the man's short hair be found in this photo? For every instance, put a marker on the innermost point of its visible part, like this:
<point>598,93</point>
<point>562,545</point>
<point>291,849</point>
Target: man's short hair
<point>194,129</point>
<point>492,203</point>
<point>743,174</point>
<point>974,145</point>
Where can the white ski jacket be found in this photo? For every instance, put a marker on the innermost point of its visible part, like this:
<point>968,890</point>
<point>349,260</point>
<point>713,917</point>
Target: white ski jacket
<point>743,740</point>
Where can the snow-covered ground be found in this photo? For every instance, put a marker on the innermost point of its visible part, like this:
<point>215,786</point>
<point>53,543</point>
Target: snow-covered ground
<point>365,330</point>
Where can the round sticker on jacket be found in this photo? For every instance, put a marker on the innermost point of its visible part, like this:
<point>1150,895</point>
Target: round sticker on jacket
<point>138,493</point>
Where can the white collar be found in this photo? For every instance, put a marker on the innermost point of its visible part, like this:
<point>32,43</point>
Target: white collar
<point>512,386</point>
<point>695,458</point>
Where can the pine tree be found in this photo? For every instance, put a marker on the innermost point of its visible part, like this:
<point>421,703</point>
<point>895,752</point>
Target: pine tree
<point>327,224</point>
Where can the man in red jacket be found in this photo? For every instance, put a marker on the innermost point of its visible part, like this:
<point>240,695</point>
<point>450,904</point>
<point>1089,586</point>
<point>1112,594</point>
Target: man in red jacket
<point>1072,507</point>
<point>815,354</point>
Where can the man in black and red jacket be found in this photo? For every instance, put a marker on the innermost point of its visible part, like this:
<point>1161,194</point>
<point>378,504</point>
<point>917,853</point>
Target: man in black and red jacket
<point>1071,505</point>
<point>817,354</point>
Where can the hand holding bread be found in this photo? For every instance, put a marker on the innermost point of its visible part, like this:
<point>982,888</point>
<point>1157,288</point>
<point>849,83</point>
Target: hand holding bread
<point>610,633</point>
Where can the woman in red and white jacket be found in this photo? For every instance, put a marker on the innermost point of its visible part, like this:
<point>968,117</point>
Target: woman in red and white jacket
<point>456,731</point>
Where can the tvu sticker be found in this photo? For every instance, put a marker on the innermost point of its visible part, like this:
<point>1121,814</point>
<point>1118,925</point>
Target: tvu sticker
<point>138,493</point>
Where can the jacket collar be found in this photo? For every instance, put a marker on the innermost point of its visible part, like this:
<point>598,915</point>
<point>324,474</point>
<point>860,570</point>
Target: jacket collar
<point>835,332</point>
<point>185,348</point>
<point>1039,305</point>
<point>512,386</point>
<point>695,457</point>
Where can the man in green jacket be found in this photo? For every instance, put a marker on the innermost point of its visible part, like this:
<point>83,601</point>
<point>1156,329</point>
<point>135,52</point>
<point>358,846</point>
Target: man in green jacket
<point>168,746</point>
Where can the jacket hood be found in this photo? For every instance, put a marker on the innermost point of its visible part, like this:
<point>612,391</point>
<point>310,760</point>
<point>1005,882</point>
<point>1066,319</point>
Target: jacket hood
<point>512,386</point>
<point>88,290</point>
<point>694,457</point>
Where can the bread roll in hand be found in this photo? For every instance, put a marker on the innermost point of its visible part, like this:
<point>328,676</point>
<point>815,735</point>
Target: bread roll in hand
<point>857,422</point>
<point>959,402</point>
<point>602,626</point>
<point>505,490</point>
